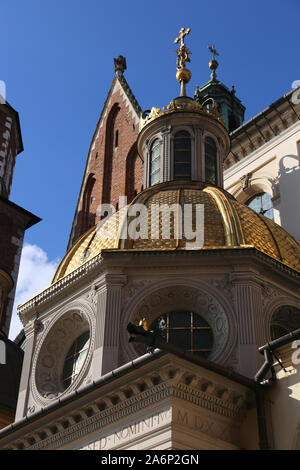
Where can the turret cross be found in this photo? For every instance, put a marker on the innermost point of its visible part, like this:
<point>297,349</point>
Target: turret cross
<point>182,34</point>
<point>213,51</point>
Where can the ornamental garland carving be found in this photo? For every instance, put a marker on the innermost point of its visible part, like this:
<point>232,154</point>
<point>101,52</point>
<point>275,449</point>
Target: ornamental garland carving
<point>92,296</point>
<point>225,286</point>
<point>133,287</point>
<point>269,293</point>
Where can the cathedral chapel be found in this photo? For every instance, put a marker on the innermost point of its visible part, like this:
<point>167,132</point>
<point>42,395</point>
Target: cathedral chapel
<point>166,232</point>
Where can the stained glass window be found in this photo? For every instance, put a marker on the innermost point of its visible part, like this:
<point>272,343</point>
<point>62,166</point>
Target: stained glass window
<point>75,359</point>
<point>187,330</point>
<point>182,156</point>
<point>155,163</point>
<point>262,204</point>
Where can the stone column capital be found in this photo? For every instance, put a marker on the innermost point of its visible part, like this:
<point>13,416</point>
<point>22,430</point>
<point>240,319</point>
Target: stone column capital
<point>115,279</point>
<point>246,278</point>
<point>166,130</point>
<point>33,326</point>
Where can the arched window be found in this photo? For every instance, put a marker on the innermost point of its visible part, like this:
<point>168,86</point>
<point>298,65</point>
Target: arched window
<point>75,359</point>
<point>262,204</point>
<point>88,218</point>
<point>208,103</point>
<point>187,330</point>
<point>134,174</point>
<point>284,320</point>
<point>211,169</point>
<point>182,156</point>
<point>111,139</point>
<point>155,163</point>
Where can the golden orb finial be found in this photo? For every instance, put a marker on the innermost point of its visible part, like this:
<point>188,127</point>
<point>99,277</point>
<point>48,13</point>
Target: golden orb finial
<point>183,74</point>
<point>213,64</point>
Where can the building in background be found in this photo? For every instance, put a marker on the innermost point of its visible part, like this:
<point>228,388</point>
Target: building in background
<point>211,302</point>
<point>14,220</point>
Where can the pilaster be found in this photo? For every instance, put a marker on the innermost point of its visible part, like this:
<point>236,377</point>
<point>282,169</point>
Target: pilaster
<point>31,330</point>
<point>106,352</point>
<point>166,146</point>
<point>197,164</point>
<point>248,302</point>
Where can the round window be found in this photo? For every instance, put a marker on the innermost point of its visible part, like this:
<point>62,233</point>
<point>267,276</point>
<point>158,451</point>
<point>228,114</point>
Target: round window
<point>62,357</point>
<point>75,359</point>
<point>187,330</point>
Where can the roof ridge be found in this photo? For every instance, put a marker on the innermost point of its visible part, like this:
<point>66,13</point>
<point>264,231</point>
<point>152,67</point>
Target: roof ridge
<point>129,94</point>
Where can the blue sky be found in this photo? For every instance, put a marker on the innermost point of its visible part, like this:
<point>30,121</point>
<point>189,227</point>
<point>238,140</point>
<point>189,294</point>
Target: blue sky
<point>57,63</point>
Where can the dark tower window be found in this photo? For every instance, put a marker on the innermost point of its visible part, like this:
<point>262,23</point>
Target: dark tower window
<point>117,138</point>
<point>155,163</point>
<point>186,330</point>
<point>262,204</point>
<point>110,140</point>
<point>210,161</point>
<point>182,156</point>
<point>208,103</point>
<point>233,122</point>
<point>88,218</point>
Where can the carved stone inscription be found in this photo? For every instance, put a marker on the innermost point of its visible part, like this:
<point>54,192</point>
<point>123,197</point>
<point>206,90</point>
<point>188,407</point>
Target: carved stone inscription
<point>131,432</point>
<point>204,424</point>
<point>185,419</point>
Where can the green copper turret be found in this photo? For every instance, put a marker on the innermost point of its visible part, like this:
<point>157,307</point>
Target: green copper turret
<point>230,107</point>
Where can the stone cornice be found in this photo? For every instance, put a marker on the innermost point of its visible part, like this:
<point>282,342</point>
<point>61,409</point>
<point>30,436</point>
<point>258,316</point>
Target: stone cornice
<point>108,255</point>
<point>102,419</point>
<point>60,285</point>
<point>130,394</point>
<point>257,153</point>
<point>251,138</point>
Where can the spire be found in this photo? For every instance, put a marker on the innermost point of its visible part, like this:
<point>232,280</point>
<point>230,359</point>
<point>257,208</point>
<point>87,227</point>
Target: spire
<point>213,64</point>
<point>120,65</point>
<point>183,74</point>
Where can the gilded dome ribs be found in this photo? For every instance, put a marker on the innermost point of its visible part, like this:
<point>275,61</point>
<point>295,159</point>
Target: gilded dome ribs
<point>227,223</point>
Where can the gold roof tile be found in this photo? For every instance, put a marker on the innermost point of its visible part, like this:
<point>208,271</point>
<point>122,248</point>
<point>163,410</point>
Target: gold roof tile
<point>227,223</point>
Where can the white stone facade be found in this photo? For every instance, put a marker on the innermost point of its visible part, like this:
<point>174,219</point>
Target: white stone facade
<point>265,157</point>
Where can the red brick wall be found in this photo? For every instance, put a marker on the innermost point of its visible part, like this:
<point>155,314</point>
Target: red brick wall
<point>108,162</point>
<point>138,174</point>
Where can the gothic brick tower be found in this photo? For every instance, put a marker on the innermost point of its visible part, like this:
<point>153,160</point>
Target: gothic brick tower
<point>113,167</point>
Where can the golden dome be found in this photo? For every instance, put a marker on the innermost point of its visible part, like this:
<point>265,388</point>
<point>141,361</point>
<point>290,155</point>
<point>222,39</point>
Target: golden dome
<point>227,224</point>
